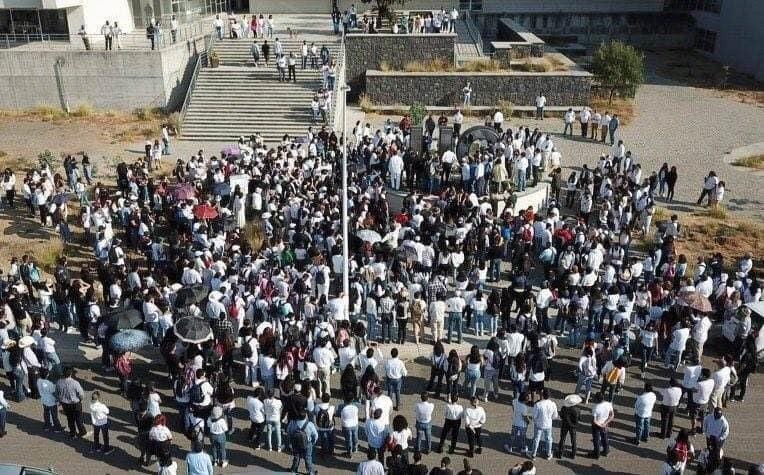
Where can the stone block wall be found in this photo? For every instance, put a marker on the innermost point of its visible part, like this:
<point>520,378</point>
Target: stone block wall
<point>572,88</point>
<point>367,52</point>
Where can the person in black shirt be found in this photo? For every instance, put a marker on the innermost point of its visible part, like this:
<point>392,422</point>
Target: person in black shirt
<point>417,468</point>
<point>569,417</point>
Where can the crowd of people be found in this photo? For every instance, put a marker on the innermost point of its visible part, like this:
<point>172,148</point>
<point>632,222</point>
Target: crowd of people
<point>234,264</point>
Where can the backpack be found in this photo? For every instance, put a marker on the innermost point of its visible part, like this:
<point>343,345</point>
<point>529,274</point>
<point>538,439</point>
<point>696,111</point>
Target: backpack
<point>537,366</point>
<point>299,439</point>
<point>681,451</point>
<point>134,390</point>
<point>246,349</point>
<point>34,274</point>
<point>323,421</point>
<point>195,394</point>
<point>320,277</point>
<point>193,432</point>
<point>179,387</point>
<point>612,376</point>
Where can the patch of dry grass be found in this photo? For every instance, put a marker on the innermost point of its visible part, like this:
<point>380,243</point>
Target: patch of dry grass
<point>755,161</point>
<point>625,108</point>
<point>731,236</point>
<point>385,66</point>
<point>83,110</point>
<point>47,256</point>
<point>714,212</point>
<point>365,104</point>
<point>545,64</point>
<point>255,234</point>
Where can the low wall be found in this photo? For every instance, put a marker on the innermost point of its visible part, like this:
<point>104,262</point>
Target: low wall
<point>118,80</point>
<point>571,88</point>
<point>367,52</point>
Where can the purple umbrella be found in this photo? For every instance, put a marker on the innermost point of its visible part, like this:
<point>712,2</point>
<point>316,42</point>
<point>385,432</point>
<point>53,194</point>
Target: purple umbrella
<point>186,191</point>
<point>231,150</point>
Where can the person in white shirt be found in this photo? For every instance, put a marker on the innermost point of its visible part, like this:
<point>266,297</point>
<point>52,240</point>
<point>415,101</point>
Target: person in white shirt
<point>584,117</point>
<point>395,371</point>
<point>602,414</point>
<point>643,413</point>
<point>349,423</point>
<point>700,397</point>
<point>540,104</point>
<point>678,342</point>
<point>423,415</point>
<point>256,410</point>
<point>722,378</point>
<point>709,187</point>
<point>453,418</point>
<point>543,413</point>
<point>99,415</point>
<point>49,400</point>
<point>498,120</point>
<point>587,372</point>
<point>218,429</point>
<point>669,402</point>
<point>569,118</point>
<point>699,334</point>
<point>474,419</point>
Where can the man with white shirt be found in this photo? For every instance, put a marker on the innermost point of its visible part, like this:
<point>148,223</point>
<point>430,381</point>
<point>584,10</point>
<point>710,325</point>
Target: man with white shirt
<point>643,413</point>
<point>453,413</point>
<point>395,371</point>
<point>349,423</point>
<point>521,165</point>
<point>700,397</point>
<point>455,309</point>
<point>604,123</point>
<point>709,187</point>
<point>699,334</point>
<point>423,415</point>
<point>256,411</point>
<point>543,412</point>
<point>395,168</point>
<point>569,118</point>
<point>543,301</point>
<point>498,120</point>
<point>676,348</point>
<point>602,414</point>
<point>584,117</point>
<point>669,402</point>
<point>540,104</point>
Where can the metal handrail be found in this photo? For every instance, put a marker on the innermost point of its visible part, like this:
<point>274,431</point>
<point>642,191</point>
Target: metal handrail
<point>477,38</point>
<point>339,79</point>
<point>203,56</point>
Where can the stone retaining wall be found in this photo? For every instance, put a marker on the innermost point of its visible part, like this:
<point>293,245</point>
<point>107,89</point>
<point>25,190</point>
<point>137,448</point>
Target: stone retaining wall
<point>572,88</point>
<point>365,52</point>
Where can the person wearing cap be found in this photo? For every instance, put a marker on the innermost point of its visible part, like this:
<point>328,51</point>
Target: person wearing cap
<point>570,416</point>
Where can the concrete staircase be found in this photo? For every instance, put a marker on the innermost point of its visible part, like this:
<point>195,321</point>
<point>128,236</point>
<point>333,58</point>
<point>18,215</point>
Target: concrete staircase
<point>238,99</point>
<point>468,46</point>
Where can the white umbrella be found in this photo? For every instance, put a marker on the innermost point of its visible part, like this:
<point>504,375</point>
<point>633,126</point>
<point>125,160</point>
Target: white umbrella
<point>369,235</point>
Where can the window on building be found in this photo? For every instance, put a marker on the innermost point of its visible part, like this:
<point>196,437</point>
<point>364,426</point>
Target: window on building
<point>471,5</point>
<point>705,40</point>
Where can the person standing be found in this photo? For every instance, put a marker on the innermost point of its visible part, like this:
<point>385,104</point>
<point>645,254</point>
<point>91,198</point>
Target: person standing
<point>602,415</point>
<point>423,415</point>
<point>453,418</point>
<point>291,65</point>
<point>669,402</point>
<point>198,461</point>
<point>543,413</point>
<point>604,124</point>
<point>349,422</point>
<point>108,34</point>
<point>377,432</point>
<point>99,415</point>
<point>467,95</point>
<point>474,419</point>
<point>395,371</point>
<point>217,23</point>
<point>281,67</point>
<point>595,124</point>
<point>643,413</point>
<point>371,466</point>
<point>255,52</point>
<point>569,118</point>
<point>570,415</point>
<point>709,187</point>
<point>716,429</point>
<point>49,402</point>
<point>612,127</point>
<point>70,394</point>
<point>302,438</point>
<point>584,117</point>
<point>4,406</point>
<point>174,29</point>
<point>85,39</point>
<point>256,411</point>
<point>540,104</point>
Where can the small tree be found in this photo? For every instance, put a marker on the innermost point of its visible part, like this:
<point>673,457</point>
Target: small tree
<point>418,112</point>
<point>619,67</point>
<point>385,7</point>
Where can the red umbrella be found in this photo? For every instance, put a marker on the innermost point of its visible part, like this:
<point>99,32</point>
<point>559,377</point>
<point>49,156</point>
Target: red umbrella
<point>183,192</point>
<point>205,212</point>
<point>695,301</point>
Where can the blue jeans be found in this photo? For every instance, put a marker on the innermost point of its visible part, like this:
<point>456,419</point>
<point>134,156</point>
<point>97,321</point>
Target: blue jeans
<point>18,378</point>
<point>647,355</point>
<point>153,330</point>
<point>495,272</point>
<point>351,438</point>
<point>218,447</point>
<point>454,324</point>
<point>272,428</point>
<point>517,439</point>
<point>307,456</point>
<point>538,435</point>
<point>50,417</point>
<point>326,439</point>
<point>479,318</point>
<point>642,428</point>
<point>673,358</point>
<point>52,360</point>
<point>394,389</point>
<point>493,324</point>
<point>521,180</point>
<point>372,324</point>
<point>584,382</point>
<point>423,429</point>
<point>3,412</point>
<point>470,381</point>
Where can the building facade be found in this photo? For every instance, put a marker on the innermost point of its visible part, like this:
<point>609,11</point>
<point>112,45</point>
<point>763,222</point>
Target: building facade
<point>62,17</point>
<point>729,31</point>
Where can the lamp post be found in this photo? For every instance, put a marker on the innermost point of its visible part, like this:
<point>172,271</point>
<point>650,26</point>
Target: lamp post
<point>345,237</point>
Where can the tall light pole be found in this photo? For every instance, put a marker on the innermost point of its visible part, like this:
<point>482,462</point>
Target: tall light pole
<point>345,236</point>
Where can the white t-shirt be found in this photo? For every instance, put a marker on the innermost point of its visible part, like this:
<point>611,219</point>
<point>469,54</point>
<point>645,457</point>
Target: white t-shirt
<point>349,416</point>
<point>601,411</point>
<point>402,438</point>
<point>544,412</point>
<point>423,411</point>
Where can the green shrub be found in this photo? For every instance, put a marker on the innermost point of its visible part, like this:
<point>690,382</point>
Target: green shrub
<point>418,112</point>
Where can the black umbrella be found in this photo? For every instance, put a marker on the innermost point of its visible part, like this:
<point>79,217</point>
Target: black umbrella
<point>126,319</point>
<point>193,330</point>
<point>191,295</point>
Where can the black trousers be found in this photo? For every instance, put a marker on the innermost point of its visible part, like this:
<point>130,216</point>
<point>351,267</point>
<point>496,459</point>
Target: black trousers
<point>292,75</point>
<point>73,413</point>
<point>255,432</point>
<point>473,437</point>
<point>565,431</point>
<point>436,374</point>
<point>451,426</point>
<point>402,324</point>
<point>667,420</point>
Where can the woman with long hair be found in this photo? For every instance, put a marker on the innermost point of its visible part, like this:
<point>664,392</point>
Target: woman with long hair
<point>437,362</point>
<point>453,369</point>
<point>472,364</point>
<point>349,384</point>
